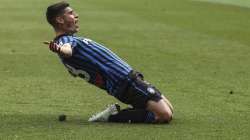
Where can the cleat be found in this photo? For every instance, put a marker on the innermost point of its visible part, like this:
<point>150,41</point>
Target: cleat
<point>104,115</point>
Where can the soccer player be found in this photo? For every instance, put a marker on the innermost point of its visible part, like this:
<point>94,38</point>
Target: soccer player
<point>98,65</point>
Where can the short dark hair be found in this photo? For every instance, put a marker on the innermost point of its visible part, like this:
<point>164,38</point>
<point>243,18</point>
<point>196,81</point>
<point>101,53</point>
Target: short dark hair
<point>55,10</point>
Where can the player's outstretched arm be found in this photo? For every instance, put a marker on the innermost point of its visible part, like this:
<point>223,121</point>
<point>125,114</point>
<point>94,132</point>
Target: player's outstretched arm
<point>65,50</point>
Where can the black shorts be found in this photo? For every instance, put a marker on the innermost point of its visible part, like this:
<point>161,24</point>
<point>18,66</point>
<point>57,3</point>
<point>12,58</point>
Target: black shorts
<point>138,92</point>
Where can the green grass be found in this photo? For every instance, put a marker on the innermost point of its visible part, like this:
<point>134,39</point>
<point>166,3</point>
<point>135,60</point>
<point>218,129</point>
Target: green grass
<point>195,52</point>
<point>243,3</point>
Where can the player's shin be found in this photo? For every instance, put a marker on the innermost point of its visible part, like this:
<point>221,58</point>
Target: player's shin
<point>133,116</point>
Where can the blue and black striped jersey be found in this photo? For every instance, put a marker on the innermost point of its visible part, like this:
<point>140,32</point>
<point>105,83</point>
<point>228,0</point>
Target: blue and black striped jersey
<point>94,63</point>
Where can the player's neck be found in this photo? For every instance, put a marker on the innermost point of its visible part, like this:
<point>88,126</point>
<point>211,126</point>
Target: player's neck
<point>59,33</point>
<point>62,33</point>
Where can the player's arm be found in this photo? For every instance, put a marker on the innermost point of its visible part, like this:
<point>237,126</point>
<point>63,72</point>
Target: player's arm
<point>65,50</point>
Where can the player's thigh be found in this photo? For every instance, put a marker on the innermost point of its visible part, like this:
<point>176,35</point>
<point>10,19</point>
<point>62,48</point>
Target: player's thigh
<point>139,93</point>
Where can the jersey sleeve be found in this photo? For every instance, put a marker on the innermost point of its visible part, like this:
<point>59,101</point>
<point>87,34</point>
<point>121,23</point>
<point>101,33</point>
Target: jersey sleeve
<point>67,39</point>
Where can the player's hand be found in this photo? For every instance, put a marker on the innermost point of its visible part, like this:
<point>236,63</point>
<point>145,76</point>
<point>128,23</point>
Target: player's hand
<point>65,50</point>
<point>54,47</point>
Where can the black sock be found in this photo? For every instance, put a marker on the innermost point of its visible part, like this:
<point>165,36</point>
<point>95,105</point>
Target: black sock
<point>133,116</point>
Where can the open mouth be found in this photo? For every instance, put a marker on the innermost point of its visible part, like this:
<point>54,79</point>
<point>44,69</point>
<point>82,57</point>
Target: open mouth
<point>76,23</point>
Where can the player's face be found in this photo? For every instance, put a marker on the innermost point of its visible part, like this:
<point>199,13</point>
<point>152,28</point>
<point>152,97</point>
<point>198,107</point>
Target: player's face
<point>70,20</point>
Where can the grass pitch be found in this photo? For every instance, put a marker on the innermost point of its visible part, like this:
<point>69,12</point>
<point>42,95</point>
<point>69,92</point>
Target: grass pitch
<point>195,52</point>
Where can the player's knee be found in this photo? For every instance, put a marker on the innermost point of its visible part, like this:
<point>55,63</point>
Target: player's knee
<point>164,117</point>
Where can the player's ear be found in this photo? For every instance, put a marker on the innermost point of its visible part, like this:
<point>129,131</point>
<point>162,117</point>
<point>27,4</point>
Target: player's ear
<point>59,20</point>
